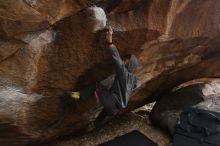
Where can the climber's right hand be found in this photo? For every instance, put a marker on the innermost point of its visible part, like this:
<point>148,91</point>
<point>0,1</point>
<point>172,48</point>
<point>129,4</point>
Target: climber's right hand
<point>109,34</point>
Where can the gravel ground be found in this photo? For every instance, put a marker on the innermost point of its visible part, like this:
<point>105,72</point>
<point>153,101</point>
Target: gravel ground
<point>116,127</point>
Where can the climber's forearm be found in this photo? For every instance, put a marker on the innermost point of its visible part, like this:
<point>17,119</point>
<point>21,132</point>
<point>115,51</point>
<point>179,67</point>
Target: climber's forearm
<point>109,34</point>
<point>116,56</point>
<point>114,51</point>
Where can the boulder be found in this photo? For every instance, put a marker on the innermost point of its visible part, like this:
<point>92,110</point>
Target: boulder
<point>120,125</point>
<point>167,109</point>
<point>51,46</point>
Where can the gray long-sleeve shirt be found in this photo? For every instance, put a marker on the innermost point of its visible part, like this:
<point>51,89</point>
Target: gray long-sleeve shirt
<point>125,81</point>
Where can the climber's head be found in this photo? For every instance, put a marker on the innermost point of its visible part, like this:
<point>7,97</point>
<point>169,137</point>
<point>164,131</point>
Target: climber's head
<point>126,58</point>
<point>130,62</point>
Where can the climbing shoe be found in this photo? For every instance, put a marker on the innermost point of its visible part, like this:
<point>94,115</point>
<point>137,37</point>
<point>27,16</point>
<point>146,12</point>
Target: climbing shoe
<point>101,119</point>
<point>74,95</point>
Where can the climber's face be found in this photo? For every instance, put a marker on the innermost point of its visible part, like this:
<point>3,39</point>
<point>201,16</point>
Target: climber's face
<point>125,61</point>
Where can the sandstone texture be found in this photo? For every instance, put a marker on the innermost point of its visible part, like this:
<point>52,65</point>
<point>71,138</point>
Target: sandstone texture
<point>116,127</point>
<point>49,46</point>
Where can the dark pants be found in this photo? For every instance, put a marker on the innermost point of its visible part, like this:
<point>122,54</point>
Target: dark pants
<point>87,92</point>
<point>107,100</point>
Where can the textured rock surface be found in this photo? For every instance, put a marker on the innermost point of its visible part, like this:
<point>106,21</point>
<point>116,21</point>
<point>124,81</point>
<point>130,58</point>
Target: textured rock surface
<point>168,108</point>
<point>48,46</point>
<point>116,127</point>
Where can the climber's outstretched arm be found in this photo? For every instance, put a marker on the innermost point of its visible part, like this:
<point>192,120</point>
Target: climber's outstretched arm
<point>114,51</point>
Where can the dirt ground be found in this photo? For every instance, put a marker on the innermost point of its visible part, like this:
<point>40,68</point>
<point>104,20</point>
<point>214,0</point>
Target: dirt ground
<point>116,127</point>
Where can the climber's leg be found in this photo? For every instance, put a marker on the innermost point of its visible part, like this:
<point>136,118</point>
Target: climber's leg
<point>108,101</point>
<point>92,89</point>
<point>87,92</point>
<point>100,119</point>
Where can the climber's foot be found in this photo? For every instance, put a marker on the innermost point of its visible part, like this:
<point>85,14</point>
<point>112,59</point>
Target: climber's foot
<point>100,120</point>
<point>74,95</point>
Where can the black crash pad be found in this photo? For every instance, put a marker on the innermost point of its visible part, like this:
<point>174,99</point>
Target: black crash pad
<point>198,127</point>
<point>134,138</point>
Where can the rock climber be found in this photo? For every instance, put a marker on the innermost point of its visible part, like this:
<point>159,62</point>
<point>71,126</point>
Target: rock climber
<point>116,97</point>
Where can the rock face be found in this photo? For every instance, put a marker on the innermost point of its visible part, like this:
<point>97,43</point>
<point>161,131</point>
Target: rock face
<point>48,46</point>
